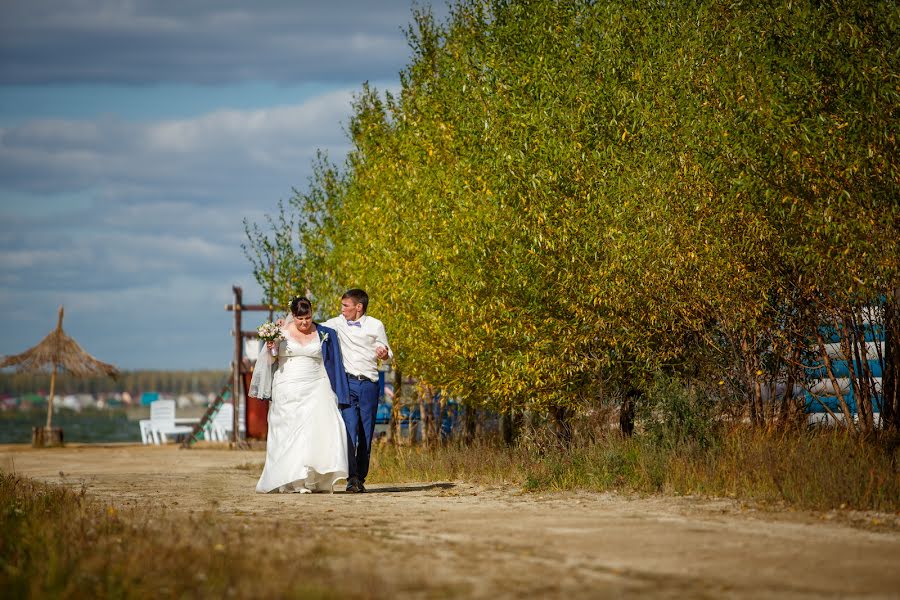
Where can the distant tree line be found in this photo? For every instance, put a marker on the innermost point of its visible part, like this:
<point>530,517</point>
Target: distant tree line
<point>133,382</point>
<point>568,199</point>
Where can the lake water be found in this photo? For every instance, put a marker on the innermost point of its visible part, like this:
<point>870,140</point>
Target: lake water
<point>98,427</point>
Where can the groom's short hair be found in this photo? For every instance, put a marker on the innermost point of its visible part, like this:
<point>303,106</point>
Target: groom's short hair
<point>358,296</point>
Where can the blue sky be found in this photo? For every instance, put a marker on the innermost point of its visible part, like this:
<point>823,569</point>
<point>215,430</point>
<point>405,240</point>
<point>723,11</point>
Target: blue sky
<point>135,138</point>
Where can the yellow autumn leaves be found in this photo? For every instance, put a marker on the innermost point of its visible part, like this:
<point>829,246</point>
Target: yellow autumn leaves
<point>530,218</point>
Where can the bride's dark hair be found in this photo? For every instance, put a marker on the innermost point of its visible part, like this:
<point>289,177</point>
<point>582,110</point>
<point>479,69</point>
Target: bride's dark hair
<point>301,306</point>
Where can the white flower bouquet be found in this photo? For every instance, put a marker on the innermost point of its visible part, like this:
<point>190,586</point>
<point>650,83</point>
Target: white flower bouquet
<point>270,332</point>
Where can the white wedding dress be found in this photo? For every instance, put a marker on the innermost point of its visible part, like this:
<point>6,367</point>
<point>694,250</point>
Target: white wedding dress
<point>306,448</point>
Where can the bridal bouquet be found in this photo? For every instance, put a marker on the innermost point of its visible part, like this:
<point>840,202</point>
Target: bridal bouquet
<point>270,332</point>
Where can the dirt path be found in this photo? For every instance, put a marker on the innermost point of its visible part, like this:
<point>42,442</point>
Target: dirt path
<point>490,542</point>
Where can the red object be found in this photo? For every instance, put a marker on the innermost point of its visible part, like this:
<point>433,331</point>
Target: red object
<point>257,413</point>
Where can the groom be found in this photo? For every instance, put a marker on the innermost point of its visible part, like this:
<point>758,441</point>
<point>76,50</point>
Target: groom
<point>363,342</point>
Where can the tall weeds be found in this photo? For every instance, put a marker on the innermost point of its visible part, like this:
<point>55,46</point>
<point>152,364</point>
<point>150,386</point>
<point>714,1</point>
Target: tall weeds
<point>818,470</point>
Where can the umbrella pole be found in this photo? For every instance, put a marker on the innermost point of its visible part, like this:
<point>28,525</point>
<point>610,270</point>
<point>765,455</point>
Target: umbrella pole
<point>50,399</point>
<point>53,374</point>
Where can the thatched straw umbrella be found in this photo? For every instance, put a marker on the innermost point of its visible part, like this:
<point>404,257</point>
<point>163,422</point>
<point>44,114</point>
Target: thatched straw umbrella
<point>57,351</point>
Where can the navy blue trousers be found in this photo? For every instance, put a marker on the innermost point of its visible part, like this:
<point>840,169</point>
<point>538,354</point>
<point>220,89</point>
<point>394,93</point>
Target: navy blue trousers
<point>359,418</point>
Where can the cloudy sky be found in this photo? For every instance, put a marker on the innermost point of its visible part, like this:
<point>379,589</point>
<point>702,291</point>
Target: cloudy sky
<point>135,137</point>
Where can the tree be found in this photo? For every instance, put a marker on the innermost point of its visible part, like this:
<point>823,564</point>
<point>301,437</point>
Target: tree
<point>572,194</point>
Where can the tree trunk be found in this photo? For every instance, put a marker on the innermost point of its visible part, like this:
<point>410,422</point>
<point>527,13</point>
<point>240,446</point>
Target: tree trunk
<point>848,418</point>
<point>509,426</point>
<point>890,371</point>
<point>439,422</point>
<point>422,428</point>
<point>749,360</point>
<point>865,403</point>
<point>626,413</point>
<point>426,408</point>
<point>394,430</point>
<point>470,424</point>
<point>759,417</point>
<point>562,424</point>
<point>786,412</point>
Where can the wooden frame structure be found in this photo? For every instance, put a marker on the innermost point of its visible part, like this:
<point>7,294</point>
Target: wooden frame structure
<point>237,365</point>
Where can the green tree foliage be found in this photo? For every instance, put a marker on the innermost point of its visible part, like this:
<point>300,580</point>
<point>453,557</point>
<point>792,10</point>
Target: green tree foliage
<point>570,192</point>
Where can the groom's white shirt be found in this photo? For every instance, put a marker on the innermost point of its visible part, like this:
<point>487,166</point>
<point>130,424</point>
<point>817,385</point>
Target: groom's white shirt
<point>358,344</point>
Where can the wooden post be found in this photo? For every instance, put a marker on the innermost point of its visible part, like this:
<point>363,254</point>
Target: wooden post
<point>50,397</point>
<point>238,371</point>
<point>43,437</point>
<point>53,375</point>
<point>238,360</point>
<point>272,285</point>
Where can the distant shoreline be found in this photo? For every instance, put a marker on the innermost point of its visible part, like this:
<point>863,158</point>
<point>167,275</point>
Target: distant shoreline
<point>131,412</point>
<point>133,383</point>
<point>91,426</point>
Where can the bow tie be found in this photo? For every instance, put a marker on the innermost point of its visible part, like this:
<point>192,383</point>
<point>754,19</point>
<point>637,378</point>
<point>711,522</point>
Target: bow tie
<point>354,324</point>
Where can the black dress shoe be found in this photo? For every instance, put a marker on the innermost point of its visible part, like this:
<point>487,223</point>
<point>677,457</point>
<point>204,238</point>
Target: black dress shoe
<point>360,488</point>
<point>353,487</point>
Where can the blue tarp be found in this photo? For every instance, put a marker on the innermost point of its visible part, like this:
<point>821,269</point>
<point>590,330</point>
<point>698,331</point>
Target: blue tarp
<point>873,333</point>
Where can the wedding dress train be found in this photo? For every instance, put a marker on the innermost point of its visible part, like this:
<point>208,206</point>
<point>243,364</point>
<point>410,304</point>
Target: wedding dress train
<point>306,448</point>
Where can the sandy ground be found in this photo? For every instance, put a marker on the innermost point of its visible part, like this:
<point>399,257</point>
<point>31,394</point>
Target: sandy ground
<point>498,542</point>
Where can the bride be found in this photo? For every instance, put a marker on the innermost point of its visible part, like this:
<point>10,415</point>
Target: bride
<point>306,448</point>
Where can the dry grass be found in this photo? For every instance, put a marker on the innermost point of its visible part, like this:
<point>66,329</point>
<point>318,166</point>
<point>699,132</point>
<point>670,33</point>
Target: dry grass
<point>58,543</point>
<point>812,470</point>
<point>483,463</point>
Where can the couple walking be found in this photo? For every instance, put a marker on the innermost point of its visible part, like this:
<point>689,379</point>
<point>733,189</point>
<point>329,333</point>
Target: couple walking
<point>324,392</point>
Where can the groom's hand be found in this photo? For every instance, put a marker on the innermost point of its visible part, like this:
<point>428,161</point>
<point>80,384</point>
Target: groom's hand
<point>381,352</point>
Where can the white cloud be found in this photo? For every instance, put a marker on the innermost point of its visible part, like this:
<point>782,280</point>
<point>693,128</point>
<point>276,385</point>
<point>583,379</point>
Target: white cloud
<point>213,42</point>
<point>31,260</point>
<point>272,145</point>
<point>179,323</point>
<point>156,225</point>
<point>242,131</point>
<point>136,226</point>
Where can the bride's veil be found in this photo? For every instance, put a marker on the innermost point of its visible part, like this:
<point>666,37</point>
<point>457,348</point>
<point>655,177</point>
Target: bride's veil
<point>263,372</point>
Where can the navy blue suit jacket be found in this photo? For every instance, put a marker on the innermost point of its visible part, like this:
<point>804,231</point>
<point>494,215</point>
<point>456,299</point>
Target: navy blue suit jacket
<point>334,364</point>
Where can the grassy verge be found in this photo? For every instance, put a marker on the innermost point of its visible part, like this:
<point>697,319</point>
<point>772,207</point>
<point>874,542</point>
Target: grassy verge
<point>58,543</point>
<point>811,470</point>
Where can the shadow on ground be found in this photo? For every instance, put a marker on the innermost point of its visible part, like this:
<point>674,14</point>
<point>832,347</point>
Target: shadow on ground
<point>410,488</point>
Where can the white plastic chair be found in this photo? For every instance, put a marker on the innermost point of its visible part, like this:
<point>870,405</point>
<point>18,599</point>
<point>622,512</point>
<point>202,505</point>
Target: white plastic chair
<point>222,424</point>
<point>147,436</point>
<point>162,421</point>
